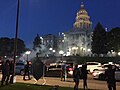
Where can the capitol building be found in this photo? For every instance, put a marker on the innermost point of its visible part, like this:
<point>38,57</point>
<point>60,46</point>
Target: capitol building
<point>77,41</point>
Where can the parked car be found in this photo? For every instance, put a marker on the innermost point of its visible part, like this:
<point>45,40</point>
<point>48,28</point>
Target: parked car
<point>91,66</point>
<point>100,73</point>
<point>20,68</point>
<point>55,70</point>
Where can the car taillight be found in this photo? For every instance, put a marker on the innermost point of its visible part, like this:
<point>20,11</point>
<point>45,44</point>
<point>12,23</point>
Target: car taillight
<point>70,69</point>
<point>30,63</point>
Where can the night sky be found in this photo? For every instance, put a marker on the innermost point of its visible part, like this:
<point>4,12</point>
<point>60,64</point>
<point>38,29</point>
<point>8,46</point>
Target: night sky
<point>53,16</point>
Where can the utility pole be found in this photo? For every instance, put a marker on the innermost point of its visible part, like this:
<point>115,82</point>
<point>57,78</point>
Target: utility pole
<point>16,37</point>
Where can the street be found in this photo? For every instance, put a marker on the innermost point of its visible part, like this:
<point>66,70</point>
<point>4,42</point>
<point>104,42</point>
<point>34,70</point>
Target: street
<point>92,84</point>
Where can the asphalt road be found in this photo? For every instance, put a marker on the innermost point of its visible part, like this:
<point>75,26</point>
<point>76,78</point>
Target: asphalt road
<point>92,84</point>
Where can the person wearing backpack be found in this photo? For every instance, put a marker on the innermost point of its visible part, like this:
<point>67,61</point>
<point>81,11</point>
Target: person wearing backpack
<point>76,76</point>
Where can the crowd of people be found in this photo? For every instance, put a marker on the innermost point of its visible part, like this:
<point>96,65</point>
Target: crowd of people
<point>8,72</point>
<point>78,74</point>
<point>81,73</point>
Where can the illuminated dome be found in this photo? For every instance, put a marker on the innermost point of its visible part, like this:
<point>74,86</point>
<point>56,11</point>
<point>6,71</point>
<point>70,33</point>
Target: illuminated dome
<point>82,19</point>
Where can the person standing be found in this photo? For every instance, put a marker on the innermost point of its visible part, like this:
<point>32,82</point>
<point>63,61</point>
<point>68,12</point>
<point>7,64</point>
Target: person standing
<point>5,72</point>
<point>76,76</point>
<point>110,78</point>
<point>11,71</point>
<point>62,72</point>
<point>26,71</point>
<point>84,75</point>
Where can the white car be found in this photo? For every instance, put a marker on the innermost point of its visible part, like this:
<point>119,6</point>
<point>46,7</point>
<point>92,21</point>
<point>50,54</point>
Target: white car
<point>100,74</point>
<point>91,66</point>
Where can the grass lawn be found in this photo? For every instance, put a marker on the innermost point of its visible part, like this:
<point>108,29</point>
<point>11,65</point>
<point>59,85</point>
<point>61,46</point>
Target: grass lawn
<point>24,86</point>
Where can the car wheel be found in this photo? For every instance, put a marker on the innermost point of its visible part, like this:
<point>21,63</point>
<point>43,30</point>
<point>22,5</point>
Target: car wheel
<point>22,72</point>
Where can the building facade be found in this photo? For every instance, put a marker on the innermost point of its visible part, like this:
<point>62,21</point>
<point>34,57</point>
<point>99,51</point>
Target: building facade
<point>77,41</point>
<point>50,43</point>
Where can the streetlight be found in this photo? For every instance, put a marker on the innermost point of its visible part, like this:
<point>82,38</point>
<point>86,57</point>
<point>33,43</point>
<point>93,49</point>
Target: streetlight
<point>119,53</point>
<point>5,56</point>
<point>84,51</point>
<point>89,52</point>
<point>62,70</point>
<point>53,52</point>
<point>27,53</point>
<point>16,37</point>
<point>50,49</point>
<point>61,53</point>
<point>75,49</point>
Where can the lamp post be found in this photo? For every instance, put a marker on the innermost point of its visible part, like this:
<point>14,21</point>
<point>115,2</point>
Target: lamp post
<point>89,52</point>
<point>50,49</point>
<point>84,51</point>
<point>53,52</point>
<point>75,50</point>
<point>27,53</point>
<point>63,69</point>
<point>16,37</point>
<point>61,53</point>
<point>5,57</point>
<point>118,53</point>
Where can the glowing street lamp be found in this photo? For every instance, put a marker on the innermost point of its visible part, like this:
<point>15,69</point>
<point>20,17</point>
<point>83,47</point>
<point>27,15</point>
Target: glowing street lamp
<point>61,53</point>
<point>53,51</point>
<point>50,49</point>
<point>119,53</point>
<point>89,50</point>
<point>75,49</point>
<point>84,51</point>
<point>27,53</point>
<point>5,56</point>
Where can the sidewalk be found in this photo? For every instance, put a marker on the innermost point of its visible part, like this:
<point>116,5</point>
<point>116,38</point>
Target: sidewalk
<point>69,83</point>
<point>92,84</point>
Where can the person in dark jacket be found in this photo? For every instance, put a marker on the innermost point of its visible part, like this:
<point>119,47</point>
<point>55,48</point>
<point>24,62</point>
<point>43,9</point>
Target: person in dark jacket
<point>110,77</point>
<point>76,76</point>
<point>26,71</point>
<point>84,75</point>
<point>11,71</point>
<point>5,72</point>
